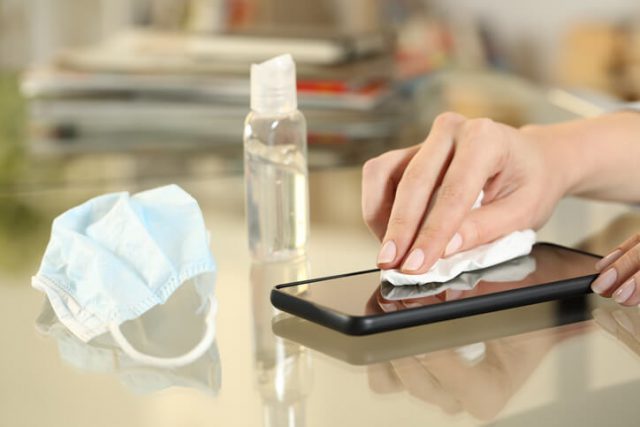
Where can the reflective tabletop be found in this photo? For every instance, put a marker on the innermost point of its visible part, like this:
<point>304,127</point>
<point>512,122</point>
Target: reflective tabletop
<point>575,360</point>
<point>571,362</point>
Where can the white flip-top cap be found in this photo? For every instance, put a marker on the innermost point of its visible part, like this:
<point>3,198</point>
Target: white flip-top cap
<point>273,85</point>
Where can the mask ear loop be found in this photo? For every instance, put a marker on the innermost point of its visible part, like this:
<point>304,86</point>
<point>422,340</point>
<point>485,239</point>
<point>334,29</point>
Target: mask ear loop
<point>169,362</point>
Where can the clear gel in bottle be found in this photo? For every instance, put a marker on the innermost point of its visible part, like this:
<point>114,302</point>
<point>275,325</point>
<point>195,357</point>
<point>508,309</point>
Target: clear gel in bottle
<point>275,164</point>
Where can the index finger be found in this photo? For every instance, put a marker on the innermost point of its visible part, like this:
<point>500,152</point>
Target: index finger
<point>415,189</point>
<point>380,176</point>
<point>477,155</point>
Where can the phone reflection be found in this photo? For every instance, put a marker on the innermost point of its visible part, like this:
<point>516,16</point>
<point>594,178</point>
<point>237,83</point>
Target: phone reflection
<point>164,331</point>
<point>283,368</point>
<point>478,378</point>
<point>471,364</point>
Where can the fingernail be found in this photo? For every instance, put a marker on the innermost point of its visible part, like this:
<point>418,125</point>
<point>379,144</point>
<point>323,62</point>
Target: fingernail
<point>387,252</point>
<point>454,244</point>
<point>624,292</point>
<point>604,281</point>
<point>414,260</point>
<point>604,262</point>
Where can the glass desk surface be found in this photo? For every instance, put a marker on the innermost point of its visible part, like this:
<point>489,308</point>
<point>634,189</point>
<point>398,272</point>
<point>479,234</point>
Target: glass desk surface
<point>574,362</point>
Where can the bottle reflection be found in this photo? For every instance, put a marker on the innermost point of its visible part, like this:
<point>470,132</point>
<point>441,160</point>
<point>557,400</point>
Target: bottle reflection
<point>283,368</point>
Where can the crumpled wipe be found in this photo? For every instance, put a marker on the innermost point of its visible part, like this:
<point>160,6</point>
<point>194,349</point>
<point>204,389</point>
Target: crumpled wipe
<point>510,271</point>
<point>505,248</point>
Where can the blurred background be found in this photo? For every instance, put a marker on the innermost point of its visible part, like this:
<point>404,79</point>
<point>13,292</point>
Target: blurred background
<point>101,90</point>
<point>105,95</point>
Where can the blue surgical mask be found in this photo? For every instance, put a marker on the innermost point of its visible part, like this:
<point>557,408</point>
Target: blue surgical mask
<point>116,256</point>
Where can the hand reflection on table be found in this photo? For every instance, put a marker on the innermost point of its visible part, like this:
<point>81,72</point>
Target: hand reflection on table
<point>478,378</point>
<point>165,330</point>
<point>621,323</point>
<point>283,368</point>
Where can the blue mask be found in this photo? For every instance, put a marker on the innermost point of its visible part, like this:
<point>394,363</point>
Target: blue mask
<point>116,256</point>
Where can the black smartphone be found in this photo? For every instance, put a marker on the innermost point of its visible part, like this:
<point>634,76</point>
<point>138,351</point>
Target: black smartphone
<point>359,304</point>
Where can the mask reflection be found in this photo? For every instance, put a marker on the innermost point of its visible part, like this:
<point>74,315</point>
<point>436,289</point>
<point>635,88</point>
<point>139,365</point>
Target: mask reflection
<point>283,368</point>
<point>164,331</point>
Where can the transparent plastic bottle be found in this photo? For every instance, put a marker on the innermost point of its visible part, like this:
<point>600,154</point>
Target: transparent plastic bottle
<point>275,164</point>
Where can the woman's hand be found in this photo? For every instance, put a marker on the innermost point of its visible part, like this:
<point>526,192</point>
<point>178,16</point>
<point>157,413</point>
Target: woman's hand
<point>418,200</point>
<point>620,273</point>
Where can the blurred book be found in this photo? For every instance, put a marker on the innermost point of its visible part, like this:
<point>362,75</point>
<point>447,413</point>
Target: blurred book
<point>110,124</point>
<point>146,87</point>
<point>360,92</point>
<point>147,50</point>
<point>150,64</point>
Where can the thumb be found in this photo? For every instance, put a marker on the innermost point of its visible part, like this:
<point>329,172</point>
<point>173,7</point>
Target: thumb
<point>487,223</point>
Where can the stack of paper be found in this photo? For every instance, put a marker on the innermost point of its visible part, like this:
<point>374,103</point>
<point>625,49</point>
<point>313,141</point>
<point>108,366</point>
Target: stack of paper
<point>198,85</point>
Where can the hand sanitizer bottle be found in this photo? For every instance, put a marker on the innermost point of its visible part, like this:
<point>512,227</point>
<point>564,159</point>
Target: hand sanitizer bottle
<point>275,164</point>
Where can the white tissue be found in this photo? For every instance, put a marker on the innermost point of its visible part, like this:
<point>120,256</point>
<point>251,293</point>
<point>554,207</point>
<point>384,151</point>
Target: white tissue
<point>511,246</point>
<point>511,271</point>
<point>503,249</point>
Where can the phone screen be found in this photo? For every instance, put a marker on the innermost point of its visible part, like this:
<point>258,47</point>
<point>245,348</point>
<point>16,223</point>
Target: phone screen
<point>363,293</point>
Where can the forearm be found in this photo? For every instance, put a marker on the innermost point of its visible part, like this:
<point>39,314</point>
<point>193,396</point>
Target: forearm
<point>597,158</point>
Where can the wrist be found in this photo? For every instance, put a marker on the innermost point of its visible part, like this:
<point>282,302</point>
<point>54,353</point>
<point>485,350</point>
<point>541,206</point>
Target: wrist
<point>595,157</point>
<point>561,167</point>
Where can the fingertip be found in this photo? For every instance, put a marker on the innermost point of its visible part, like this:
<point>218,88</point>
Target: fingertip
<point>423,257</point>
<point>605,281</point>
<point>454,245</point>
<point>608,260</point>
<point>388,253</point>
<point>623,294</point>
<point>414,262</point>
